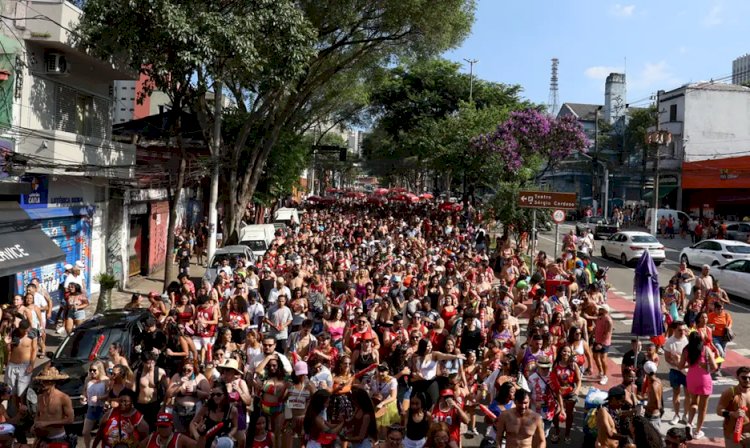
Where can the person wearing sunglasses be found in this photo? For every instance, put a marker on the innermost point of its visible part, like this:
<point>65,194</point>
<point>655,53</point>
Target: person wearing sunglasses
<point>733,405</point>
<point>96,394</point>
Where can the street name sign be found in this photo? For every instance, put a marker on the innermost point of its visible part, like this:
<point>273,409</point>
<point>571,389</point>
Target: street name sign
<point>547,199</point>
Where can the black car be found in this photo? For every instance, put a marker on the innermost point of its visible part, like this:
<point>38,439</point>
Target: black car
<point>599,226</point>
<point>90,342</point>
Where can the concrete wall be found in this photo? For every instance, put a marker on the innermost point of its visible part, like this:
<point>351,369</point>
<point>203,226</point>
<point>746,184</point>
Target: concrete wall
<point>716,124</point>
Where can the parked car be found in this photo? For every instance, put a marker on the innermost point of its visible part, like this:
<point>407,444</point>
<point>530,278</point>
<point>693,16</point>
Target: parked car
<point>597,225</point>
<point>628,247</point>
<point>714,252</point>
<point>734,277</point>
<point>738,231</point>
<point>88,343</point>
<point>231,253</point>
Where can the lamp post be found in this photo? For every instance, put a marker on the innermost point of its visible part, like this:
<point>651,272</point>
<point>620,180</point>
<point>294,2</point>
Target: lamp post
<point>471,63</point>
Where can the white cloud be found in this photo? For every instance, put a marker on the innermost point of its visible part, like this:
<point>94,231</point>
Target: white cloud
<point>682,50</point>
<point>601,71</point>
<point>654,76</point>
<point>623,10</point>
<point>714,16</point>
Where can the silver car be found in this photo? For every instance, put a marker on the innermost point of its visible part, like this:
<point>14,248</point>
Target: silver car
<point>738,231</point>
<point>230,253</point>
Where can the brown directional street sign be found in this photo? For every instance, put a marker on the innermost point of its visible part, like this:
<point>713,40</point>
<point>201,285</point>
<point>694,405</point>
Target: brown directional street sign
<point>547,199</point>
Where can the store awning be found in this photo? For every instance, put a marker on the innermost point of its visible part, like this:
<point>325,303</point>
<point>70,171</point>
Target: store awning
<point>23,245</point>
<point>664,190</point>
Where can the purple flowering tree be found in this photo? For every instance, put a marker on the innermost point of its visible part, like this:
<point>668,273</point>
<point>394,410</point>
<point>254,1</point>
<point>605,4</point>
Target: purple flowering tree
<point>528,137</point>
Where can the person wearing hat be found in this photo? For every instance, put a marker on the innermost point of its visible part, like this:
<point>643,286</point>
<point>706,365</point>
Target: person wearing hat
<point>520,426</point>
<point>55,408</point>
<point>607,433</point>
<point>297,398</point>
<point>448,411</point>
<point>238,394</point>
<point>542,395</point>
<point>653,394</point>
<point>384,390</point>
<point>76,276</point>
<point>165,435</point>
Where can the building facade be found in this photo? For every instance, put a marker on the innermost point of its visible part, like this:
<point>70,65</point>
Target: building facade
<point>57,117</point>
<point>710,142</point>
<point>741,70</point>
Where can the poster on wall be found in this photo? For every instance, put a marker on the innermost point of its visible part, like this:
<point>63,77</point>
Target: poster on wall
<point>73,235</point>
<point>39,191</point>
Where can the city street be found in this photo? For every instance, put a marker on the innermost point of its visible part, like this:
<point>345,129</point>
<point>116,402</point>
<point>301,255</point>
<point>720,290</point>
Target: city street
<point>620,300</point>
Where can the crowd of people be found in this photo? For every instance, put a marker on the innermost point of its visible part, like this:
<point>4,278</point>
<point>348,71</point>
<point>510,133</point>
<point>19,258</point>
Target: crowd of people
<point>396,325</point>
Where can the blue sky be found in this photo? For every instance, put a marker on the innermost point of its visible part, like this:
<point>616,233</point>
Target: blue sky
<point>665,43</point>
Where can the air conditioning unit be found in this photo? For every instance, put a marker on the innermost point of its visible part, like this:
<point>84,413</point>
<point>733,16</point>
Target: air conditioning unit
<point>56,64</point>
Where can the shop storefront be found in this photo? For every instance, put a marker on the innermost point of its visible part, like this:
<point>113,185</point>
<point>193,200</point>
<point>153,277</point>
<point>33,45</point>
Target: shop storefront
<point>717,188</point>
<point>69,219</point>
<point>24,247</point>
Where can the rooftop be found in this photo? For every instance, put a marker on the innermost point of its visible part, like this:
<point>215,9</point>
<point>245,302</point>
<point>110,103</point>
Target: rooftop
<point>584,112</point>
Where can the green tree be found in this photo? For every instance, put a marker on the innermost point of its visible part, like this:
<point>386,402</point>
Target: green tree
<point>422,119</point>
<point>635,133</point>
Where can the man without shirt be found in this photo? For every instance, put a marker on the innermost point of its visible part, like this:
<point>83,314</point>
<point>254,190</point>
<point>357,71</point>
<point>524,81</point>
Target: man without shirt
<point>677,379</point>
<point>521,427</point>
<point>21,361</point>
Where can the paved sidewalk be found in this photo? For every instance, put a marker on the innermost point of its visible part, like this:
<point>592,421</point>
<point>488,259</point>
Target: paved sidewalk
<point>145,284</point>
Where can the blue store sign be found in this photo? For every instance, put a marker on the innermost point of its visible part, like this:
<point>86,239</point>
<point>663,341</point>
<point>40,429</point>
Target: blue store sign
<point>39,191</point>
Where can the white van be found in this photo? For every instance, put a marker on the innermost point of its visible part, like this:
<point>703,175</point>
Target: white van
<point>665,212</point>
<point>286,216</point>
<point>258,237</point>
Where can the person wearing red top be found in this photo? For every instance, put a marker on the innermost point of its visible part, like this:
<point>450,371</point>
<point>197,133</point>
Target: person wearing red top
<point>263,438</point>
<point>362,328</point>
<point>206,321</point>
<point>165,437</point>
<point>448,411</point>
<point>565,382</point>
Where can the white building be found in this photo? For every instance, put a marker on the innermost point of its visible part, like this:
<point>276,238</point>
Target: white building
<point>61,121</point>
<point>708,121</point>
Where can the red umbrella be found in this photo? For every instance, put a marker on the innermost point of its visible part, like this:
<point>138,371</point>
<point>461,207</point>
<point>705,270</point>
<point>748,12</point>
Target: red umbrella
<point>399,190</point>
<point>327,200</point>
<point>377,200</point>
<point>381,191</point>
<point>400,197</point>
<point>314,199</point>
<point>451,207</point>
<point>331,190</point>
<point>413,198</point>
<point>351,194</point>
<point>427,196</point>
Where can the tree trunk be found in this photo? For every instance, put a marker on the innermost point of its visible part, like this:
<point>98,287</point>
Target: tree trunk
<point>174,200</point>
<point>105,301</point>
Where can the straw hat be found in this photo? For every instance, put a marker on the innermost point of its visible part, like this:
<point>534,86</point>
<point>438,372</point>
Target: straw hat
<point>231,364</point>
<point>51,374</point>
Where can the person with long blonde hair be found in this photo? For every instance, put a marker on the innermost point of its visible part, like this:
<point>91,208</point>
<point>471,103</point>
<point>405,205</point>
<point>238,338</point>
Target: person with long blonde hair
<point>95,394</point>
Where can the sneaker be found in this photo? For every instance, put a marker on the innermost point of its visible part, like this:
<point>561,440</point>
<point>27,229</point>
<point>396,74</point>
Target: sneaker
<point>698,435</point>
<point>604,380</point>
<point>675,420</point>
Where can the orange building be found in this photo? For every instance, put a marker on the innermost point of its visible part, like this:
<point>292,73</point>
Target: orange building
<point>717,187</point>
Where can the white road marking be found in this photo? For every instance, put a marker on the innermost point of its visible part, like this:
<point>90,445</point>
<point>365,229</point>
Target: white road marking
<point>617,360</point>
<point>618,316</point>
<point>742,351</point>
<point>627,322</point>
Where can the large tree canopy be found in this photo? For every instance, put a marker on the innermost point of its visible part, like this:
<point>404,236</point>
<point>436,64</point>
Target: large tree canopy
<point>424,119</point>
<point>277,58</point>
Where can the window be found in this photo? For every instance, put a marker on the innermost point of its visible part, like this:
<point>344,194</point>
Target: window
<point>79,113</point>
<point>737,266</point>
<point>673,112</point>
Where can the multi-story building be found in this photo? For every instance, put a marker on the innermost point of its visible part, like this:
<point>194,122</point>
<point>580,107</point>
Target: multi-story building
<point>741,70</point>
<point>56,116</point>
<point>708,123</point>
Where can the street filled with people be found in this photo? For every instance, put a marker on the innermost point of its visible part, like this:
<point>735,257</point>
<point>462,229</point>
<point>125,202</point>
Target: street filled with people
<point>397,325</point>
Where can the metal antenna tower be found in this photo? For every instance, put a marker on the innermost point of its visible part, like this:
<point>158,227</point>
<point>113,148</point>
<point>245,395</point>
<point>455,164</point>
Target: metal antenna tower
<point>554,100</point>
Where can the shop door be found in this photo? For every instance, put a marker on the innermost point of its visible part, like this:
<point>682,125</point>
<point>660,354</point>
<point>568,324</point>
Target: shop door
<point>137,247</point>
<point>73,235</point>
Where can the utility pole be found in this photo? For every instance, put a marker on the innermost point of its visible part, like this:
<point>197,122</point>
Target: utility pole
<point>215,151</point>
<point>471,77</point>
<point>658,138</point>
